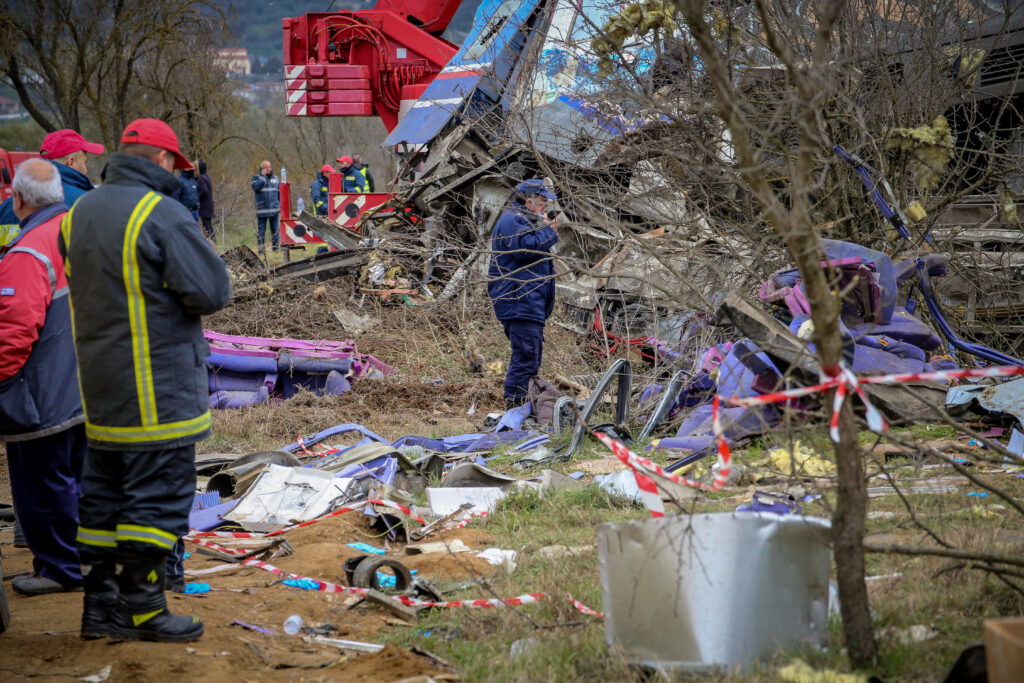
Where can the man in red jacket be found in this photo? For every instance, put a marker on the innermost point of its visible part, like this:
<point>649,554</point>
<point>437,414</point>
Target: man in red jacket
<point>41,418</point>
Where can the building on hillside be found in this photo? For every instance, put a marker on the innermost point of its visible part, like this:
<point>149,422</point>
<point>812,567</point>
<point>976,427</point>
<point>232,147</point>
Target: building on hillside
<point>234,60</point>
<point>9,107</point>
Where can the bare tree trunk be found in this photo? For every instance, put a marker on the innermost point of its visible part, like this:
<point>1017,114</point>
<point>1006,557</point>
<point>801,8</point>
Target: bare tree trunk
<point>848,544</point>
<point>13,72</point>
<point>851,494</point>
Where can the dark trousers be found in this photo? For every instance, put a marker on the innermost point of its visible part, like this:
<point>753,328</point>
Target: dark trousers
<point>45,483</point>
<point>527,340</point>
<point>207,226</point>
<point>264,222</point>
<point>135,502</point>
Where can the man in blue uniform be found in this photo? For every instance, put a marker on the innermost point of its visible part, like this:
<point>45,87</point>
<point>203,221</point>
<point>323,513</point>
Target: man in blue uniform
<point>318,190</point>
<point>351,179</point>
<point>521,282</point>
<point>266,188</point>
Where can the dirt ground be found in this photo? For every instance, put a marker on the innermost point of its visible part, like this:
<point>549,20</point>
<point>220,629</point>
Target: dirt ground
<point>43,643</point>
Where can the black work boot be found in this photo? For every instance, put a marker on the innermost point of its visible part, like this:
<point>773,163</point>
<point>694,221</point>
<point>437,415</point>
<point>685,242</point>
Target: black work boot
<point>142,612</point>
<point>100,583</point>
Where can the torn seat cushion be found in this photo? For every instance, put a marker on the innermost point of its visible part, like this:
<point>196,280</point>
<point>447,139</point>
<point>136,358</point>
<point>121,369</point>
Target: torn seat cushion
<point>543,395</point>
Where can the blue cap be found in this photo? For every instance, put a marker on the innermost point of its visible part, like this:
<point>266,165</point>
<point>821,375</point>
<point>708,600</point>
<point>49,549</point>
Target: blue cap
<point>535,186</point>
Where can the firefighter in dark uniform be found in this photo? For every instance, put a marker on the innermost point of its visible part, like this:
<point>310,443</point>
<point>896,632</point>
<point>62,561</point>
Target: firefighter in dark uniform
<point>521,282</point>
<point>140,276</point>
<point>318,191</point>
<point>352,180</point>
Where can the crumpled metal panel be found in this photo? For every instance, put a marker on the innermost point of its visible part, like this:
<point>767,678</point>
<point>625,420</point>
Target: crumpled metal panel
<point>715,590</point>
<point>1003,398</point>
<point>442,100</point>
<point>484,62</point>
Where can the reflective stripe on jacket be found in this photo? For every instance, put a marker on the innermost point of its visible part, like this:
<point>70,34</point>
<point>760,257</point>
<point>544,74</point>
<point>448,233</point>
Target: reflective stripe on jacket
<point>352,180</point>
<point>318,192</point>
<point>268,195</point>
<point>141,275</point>
<point>367,176</point>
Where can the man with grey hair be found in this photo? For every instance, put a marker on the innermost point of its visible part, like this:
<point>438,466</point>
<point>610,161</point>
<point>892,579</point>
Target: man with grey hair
<point>41,418</point>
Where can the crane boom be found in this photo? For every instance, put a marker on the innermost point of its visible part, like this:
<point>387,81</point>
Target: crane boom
<point>365,62</point>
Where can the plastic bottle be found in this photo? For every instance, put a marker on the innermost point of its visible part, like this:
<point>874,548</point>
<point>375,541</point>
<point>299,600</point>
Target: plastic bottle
<point>284,175</point>
<point>293,624</point>
<point>300,204</point>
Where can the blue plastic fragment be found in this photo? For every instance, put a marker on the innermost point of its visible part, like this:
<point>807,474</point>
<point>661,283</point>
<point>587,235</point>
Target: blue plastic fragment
<point>304,584</point>
<point>206,500</point>
<point>771,502</point>
<point>186,556</point>
<point>254,627</point>
<point>195,588</point>
<point>335,431</point>
<point>978,494</point>
<point>388,580</point>
<point>365,548</point>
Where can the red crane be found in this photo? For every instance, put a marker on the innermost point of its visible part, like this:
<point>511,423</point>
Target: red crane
<point>366,62</point>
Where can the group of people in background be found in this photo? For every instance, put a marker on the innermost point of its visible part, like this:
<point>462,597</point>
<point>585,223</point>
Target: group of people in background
<point>266,187</point>
<point>356,177</point>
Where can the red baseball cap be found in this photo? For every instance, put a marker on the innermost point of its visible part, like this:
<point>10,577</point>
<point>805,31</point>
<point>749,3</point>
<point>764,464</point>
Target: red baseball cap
<point>156,133</point>
<point>60,143</point>
<point>346,160</point>
<point>327,168</point>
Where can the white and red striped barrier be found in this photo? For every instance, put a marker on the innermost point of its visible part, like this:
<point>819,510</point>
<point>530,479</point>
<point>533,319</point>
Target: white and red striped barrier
<point>348,508</point>
<point>841,379</point>
<point>580,607</point>
<point>198,537</point>
<point>328,587</point>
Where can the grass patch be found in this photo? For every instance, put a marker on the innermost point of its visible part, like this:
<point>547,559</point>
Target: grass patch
<point>565,645</point>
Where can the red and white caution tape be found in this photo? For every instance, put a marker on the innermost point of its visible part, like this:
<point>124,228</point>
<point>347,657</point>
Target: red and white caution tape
<point>845,382</point>
<point>643,468</point>
<point>580,607</point>
<point>841,379</point>
<point>465,520</point>
<point>215,546</point>
<point>328,587</point>
<point>320,453</point>
<point>348,508</point>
